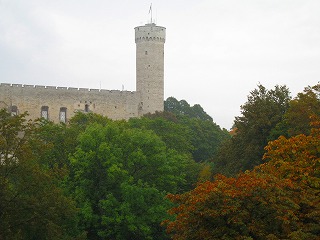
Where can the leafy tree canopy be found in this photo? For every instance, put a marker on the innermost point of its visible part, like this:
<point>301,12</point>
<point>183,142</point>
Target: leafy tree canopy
<point>32,206</point>
<point>277,200</point>
<point>261,113</point>
<point>120,176</point>
<point>182,107</point>
<point>201,135</point>
<point>297,119</point>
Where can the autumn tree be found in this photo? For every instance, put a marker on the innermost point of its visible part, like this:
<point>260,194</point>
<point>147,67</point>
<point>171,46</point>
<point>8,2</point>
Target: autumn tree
<point>245,207</point>
<point>297,159</point>
<point>277,200</point>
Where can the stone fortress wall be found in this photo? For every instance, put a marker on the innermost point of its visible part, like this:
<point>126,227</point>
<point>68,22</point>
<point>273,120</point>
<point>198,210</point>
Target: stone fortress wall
<point>114,104</point>
<point>61,103</point>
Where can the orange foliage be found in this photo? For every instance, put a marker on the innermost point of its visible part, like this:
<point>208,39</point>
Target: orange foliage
<point>278,199</point>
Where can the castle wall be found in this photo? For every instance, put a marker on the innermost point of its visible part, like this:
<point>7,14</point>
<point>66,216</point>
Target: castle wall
<point>113,104</point>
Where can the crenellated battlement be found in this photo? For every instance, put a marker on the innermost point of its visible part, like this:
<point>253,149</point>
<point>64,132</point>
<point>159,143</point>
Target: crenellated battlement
<point>150,32</point>
<point>26,86</point>
<point>146,39</point>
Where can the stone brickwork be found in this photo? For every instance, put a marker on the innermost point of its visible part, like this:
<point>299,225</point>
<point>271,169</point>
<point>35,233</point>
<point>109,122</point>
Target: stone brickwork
<point>61,103</point>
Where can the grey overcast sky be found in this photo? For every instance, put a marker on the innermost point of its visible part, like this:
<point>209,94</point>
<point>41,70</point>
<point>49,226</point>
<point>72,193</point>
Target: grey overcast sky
<point>216,51</point>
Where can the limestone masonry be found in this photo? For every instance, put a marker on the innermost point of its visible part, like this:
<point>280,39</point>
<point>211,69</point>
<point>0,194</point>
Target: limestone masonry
<point>61,103</point>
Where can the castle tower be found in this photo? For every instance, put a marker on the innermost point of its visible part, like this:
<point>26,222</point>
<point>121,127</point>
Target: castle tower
<point>150,40</point>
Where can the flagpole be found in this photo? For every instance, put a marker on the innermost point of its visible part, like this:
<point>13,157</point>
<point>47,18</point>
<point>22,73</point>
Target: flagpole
<point>150,11</point>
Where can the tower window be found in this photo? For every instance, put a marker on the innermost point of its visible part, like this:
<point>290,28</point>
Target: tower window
<point>14,110</point>
<point>86,108</point>
<point>146,52</point>
<point>45,112</point>
<point>63,115</point>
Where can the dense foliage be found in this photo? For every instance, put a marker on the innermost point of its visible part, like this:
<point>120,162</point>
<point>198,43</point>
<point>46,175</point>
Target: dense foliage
<point>95,178</point>
<point>277,200</point>
<point>120,178</point>
<point>32,205</point>
<point>262,112</point>
<point>182,107</point>
<point>195,136</point>
<point>296,119</point>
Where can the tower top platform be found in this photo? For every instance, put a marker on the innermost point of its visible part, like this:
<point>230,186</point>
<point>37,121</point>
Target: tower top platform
<point>150,32</point>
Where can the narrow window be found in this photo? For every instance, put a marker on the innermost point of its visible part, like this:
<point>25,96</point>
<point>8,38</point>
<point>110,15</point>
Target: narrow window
<point>45,112</point>
<point>14,110</point>
<point>63,115</point>
<point>86,108</point>
<point>146,52</point>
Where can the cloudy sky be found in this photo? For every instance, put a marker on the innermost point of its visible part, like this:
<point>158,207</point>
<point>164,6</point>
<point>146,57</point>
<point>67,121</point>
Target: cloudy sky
<point>216,51</point>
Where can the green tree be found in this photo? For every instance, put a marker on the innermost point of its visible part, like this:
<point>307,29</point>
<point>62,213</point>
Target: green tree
<point>182,107</point>
<point>206,138</point>
<point>176,135</point>
<point>120,177</point>
<point>61,138</point>
<point>260,115</point>
<point>191,129</point>
<point>82,120</point>
<point>297,119</point>
<point>32,206</point>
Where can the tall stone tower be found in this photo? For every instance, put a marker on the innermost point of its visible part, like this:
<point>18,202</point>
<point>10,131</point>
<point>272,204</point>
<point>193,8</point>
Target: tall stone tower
<point>150,40</point>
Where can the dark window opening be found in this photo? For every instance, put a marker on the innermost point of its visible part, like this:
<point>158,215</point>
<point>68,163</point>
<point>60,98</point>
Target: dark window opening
<point>14,110</point>
<point>86,108</point>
